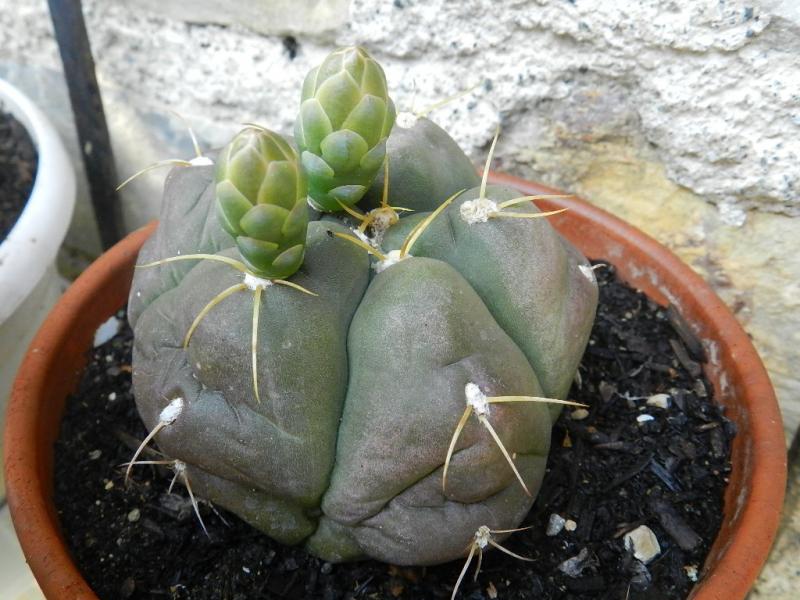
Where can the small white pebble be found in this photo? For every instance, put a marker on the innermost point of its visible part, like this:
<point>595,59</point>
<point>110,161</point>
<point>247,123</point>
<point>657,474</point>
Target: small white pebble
<point>579,414</point>
<point>112,396</point>
<point>691,572</point>
<point>700,388</point>
<point>645,418</point>
<point>491,591</point>
<point>246,570</point>
<point>570,525</point>
<point>555,525</point>
<point>95,454</point>
<point>574,566</point>
<point>107,330</point>
<point>134,515</point>
<point>109,485</point>
<point>643,542</point>
<point>658,400</point>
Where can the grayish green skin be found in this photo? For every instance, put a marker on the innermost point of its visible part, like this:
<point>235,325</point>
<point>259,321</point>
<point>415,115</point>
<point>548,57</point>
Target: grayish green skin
<point>411,357</point>
<point>528,275</point>
<point>346,449</point>
<point>426,166</point>
<point>269,462</point>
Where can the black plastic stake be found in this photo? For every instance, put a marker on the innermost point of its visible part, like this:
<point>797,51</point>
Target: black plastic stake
<point>90,120</point>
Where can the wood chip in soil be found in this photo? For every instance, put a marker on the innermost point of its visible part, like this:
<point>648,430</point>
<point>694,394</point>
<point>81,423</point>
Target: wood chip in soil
<point>653,450</point>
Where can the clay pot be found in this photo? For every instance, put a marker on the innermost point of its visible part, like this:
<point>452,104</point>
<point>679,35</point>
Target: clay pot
<point>752,501</point>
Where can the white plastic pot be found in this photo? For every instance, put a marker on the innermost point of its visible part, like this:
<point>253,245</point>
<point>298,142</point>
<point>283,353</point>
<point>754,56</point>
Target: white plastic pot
<point>29,284</point>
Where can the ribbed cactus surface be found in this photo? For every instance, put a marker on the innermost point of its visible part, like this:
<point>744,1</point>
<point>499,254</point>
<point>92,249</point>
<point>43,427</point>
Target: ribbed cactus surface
<point>261,201</point>
<point>345,117</point>
<point>403,402</point>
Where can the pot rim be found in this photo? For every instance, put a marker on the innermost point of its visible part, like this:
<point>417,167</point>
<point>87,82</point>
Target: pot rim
<point>751,518</point>
<point>33,242</point>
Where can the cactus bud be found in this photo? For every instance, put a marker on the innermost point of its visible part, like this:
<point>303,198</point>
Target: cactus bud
<point>261,201</point>
<point>345,117</point>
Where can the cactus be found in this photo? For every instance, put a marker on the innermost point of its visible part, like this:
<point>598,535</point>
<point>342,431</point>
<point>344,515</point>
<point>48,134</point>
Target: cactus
<point>426,165</point>
<point>403,410</point>
<point>345,117</point>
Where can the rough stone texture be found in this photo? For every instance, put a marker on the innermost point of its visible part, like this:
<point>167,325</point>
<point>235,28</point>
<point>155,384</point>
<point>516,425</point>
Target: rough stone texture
<point>708,84</point>
<point>277,17</point>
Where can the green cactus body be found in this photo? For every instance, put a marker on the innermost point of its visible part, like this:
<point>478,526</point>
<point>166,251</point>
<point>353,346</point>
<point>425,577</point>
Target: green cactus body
<point>366,429</point>
<point>538,287</point>
<point>362,386</point>
<point>261,201</point>
<point>418,337</point>
<point>426,166</point>
<point>345,117</point>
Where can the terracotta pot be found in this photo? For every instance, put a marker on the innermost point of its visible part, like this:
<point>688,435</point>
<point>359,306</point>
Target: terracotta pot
<point>752,501</point>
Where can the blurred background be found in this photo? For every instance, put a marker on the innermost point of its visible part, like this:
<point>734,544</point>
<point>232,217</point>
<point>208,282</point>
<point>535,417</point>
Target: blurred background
<point>680,117</point>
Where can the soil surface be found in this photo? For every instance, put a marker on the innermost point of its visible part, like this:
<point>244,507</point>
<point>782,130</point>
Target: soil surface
<point>623,463</point>
<point>17,170</point>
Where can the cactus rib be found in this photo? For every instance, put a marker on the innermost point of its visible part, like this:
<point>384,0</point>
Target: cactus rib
<point>481,412</point>
<point>252,281</point>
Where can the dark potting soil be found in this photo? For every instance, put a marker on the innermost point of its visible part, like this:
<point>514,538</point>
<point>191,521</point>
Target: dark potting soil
<point>17,170</point>
<point>625,464</point>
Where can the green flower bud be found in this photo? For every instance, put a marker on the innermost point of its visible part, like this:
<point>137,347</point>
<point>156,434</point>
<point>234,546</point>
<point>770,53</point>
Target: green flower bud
<point>345,117</point>
<point>261,201</point>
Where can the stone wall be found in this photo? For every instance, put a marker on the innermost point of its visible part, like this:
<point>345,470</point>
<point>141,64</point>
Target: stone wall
<point>682,117</point>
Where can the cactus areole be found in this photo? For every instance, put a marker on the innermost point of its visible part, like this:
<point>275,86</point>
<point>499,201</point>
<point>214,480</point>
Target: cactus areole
<point>366,401</point>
